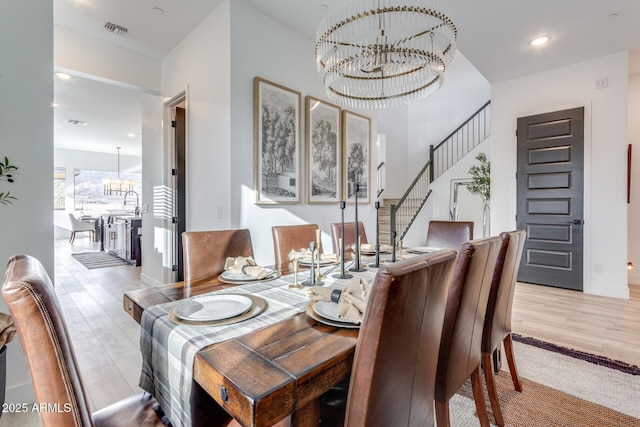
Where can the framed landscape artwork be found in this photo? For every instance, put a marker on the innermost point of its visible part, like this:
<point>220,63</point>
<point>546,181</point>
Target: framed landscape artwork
<point>323,153</point>
<point>356,134</point>
<point>277,143</point>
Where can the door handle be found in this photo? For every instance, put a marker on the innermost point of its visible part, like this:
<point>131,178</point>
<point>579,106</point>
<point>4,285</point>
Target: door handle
<point>576,222</point>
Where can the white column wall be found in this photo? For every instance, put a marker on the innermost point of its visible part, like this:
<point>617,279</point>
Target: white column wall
<point>26,138</point>
<point>633,208</point>
<point>605,228</point>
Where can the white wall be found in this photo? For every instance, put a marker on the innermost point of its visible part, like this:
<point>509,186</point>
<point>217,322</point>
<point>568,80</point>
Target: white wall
<point>26,137</point>
<point>265,48</point>
<point>103,61</point>
<point>605,228</point>
<point>633,208</point>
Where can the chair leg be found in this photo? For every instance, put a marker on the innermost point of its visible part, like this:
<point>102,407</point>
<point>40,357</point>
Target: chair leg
<point>490,380</point>
<point>73,237</point>
<point>478,397</point>
<point>442,414</point>
<point>508,349</point>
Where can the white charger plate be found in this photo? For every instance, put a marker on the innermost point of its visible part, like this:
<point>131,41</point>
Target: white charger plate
<point>213,307</point>
<point>422,249</point>
<point>323,262</point>
<point>241,277</point>
<point>329,310</point>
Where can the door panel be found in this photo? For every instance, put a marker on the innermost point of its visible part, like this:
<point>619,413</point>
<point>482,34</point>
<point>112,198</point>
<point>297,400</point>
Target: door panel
<point>550,197</point>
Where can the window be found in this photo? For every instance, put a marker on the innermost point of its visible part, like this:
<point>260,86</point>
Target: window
<point>91,197</point>
<point>59,188</point>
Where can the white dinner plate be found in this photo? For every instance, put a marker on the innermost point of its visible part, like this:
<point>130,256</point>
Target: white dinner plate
<point>329,310</point>
<point>213,307</point>
<point>241,277</point>
<point>422,249</point>
<point>323,262</point>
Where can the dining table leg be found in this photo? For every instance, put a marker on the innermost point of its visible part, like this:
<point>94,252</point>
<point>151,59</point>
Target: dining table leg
<point>307,416</point>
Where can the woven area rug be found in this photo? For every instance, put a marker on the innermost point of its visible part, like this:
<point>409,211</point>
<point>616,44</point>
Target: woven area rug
<point>561,387</point>
<point>93,260</point>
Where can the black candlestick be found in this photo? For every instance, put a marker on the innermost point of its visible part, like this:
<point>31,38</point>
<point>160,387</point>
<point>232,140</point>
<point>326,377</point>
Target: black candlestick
<point>393,245</point>
<point>377,263</point>
<point>356,265</point>
<point>343,274</point>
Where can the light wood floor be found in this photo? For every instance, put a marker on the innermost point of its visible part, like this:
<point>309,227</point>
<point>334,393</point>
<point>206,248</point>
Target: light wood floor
<point>106,339</point>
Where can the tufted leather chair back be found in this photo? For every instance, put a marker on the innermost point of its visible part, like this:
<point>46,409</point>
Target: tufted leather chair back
<point>460,350</point>
<point>350,236</point>
<point>287,237</point>
<point>36,313</point>
<point>393,376</point>
<point>497,324</point>
<point>449,234</point>
<point>204,252</point>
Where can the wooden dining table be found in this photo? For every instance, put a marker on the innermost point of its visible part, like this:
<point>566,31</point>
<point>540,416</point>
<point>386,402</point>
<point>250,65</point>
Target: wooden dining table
<point>273,374</point>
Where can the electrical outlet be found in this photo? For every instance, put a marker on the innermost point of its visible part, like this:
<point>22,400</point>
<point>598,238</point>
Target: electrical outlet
<point>145,208</point>
<point>601,83</point>
<point>219,211</point>
<point>597,267</point>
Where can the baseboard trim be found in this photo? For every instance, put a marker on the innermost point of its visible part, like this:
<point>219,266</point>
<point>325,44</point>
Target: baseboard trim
<point>21,393</point>
<point>148,280</point>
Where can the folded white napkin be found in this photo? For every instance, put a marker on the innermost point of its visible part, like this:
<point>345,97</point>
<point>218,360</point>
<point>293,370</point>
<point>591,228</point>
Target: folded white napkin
<point>245,265</point>
<point>368,247</point>
<point>305,254</point>
<point>352,300</point>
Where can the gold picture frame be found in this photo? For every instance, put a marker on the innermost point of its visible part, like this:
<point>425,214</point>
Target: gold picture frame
<point>323,152</point>
<point>277,143</point>
<point>356,135</point>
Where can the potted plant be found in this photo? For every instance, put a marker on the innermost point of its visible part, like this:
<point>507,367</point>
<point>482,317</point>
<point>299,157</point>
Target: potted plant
<point>481,186</point>
<point>6,174</point>
<point>7,332</point>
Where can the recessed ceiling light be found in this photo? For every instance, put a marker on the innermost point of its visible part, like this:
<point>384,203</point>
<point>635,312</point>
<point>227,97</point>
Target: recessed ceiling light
<point>131,134</point>
<point>55,104</point>
<point>63,76</point>
<point>540,41</point>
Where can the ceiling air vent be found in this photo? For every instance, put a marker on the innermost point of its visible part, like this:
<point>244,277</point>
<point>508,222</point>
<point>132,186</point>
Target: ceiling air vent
<point>116,29</point>
<point>76,122</point>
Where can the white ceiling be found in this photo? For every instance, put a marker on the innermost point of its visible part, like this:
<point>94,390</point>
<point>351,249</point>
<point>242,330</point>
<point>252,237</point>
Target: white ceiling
<point>492,34</point>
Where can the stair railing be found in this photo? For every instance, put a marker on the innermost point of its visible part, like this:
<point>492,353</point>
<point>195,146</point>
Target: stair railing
<point>441,157</point>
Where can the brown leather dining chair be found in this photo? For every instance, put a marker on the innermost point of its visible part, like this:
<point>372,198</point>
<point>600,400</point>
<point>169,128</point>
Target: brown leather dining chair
<point>497,322</point>
<point>56,379</point>
<point>350,236</point>
<point>390,385</point>
<point>449,234</point>
<point>204,252</point>
<point>287,237</point>
<point>54,370</point>
<point>460,348</point>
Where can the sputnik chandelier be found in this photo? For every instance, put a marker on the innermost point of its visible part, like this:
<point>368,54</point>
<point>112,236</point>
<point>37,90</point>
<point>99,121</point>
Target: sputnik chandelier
<point>384,53</point>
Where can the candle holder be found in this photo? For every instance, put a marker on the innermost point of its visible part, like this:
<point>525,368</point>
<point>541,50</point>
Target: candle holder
<point>343,274</point>
<point>377,263</point>
<point>393,246</point>
<point>357,267</point>
<point>295,284</point>
<point>312,274</point>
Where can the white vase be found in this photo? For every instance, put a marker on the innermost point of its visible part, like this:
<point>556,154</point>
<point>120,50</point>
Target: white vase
<point>485,220</point>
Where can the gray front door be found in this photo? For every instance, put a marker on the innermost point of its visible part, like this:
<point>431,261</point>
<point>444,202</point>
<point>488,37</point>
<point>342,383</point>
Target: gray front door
<point>550,197</point>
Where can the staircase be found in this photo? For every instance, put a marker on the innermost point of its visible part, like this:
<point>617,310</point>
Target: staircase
<point>397,215</point>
